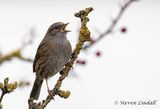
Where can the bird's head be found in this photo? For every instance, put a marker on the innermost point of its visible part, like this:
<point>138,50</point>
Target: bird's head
<point>58,28</point>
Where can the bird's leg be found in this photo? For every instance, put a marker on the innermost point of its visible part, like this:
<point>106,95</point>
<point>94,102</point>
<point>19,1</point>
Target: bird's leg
<point>49,91</point>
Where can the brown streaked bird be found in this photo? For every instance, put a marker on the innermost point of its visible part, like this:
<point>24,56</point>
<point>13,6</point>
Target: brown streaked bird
<point>52,54</point>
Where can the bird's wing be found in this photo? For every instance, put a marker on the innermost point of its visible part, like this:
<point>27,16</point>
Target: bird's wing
<point>41,52</point>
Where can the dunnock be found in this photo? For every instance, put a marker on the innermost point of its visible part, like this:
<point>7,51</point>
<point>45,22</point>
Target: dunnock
<point>52,54</point>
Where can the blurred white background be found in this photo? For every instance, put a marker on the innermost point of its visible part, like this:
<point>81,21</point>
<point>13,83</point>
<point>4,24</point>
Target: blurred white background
<point>128,69</point>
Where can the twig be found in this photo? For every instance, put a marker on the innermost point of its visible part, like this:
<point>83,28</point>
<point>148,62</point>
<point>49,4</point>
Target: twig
<point>30,35</point>
<point>7,87</point>
<point>0,106</point>
<point>16,53</point>
<point>2,95</point>
<point>84,36</point>
<point>111,27</point>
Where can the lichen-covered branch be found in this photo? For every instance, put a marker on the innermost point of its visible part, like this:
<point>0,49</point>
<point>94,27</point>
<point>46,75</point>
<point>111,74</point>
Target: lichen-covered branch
<point>111,27</point>
<point>14,54</point>
<point>84,35</point>
<point>18,52</point>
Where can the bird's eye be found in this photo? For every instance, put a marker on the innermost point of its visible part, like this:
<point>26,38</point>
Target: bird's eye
<point>56,27</point>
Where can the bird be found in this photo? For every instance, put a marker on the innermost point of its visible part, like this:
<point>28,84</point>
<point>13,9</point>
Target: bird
<point>52,54</point>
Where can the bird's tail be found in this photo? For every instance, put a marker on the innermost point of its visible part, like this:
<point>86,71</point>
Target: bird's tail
<point>35,92</point>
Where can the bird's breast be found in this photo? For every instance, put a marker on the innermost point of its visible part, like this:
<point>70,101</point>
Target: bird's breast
<point>59,56</point>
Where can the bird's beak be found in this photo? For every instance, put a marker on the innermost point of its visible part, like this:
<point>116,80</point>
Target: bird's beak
<point>64,28</point>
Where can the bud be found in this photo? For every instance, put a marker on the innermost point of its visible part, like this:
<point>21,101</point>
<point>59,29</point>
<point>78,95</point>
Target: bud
<point>79,61</point>
<point>98,53</point>
<point>123,29</point>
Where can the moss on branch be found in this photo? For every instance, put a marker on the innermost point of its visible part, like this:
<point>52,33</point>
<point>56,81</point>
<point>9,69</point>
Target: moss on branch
<point>14,54</point>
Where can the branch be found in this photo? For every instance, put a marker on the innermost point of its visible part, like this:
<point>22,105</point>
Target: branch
<point>84,35</point>
<point>111,27</point>
<point>18,52</point>
<point>14,54</point>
